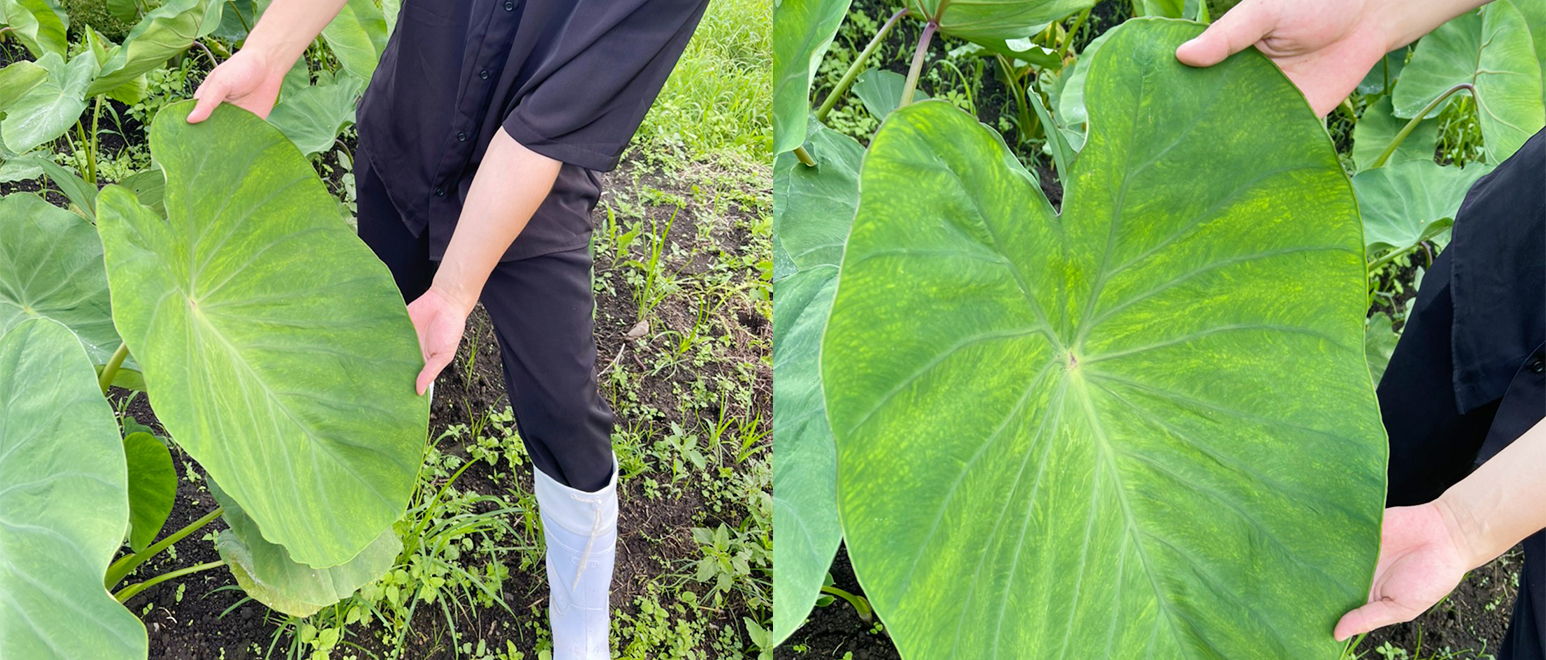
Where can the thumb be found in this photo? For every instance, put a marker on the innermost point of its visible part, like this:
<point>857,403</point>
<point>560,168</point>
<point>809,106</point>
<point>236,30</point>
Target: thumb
<point>209,95</point>
<point>432,368</point>
<point>1376,614</point>
<point>1237,29</point>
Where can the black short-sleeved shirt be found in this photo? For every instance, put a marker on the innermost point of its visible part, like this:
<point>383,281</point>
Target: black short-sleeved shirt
<point>568,79</point>
<point>1498,276</point>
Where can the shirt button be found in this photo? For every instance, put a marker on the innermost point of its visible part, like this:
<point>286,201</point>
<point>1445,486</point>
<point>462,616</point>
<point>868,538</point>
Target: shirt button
<point>483,74</point>
<point>461,136</point>
<point>1538,366</point>
<point>440,192</point>
<point>509,6</point>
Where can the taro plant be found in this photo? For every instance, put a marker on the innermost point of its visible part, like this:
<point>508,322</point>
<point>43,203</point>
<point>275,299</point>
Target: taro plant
<point>1482,68</point>
<point>59,95</point>
<point>275,351</point>
<point>1151,405</point>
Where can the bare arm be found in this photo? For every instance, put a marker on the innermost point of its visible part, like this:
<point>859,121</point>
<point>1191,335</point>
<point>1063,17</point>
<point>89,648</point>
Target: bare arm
<point>1325,46</point>
<point>510,184</point>
<point>1426,550</point>
<point>1502,502</point>
<point>252,77</point>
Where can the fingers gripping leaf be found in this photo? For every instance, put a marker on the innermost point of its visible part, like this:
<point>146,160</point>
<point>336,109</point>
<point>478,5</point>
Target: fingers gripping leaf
<point>1143,428</point>
<point>274,345</point>
<point>63,505</point>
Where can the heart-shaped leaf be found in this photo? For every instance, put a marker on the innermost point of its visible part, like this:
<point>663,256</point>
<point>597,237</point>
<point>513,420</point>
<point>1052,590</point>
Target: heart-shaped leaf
<point>813,207</point>
<point>1143,428</point>
<point>313,116</point>
<point>802,32</point>
<point>988,21</point>
<point>275,347</point>
<point>52,106</point>
<point>64,504</point>
<point>51,267</point>
<point>164,32</point>
<point>1490,48</point>
<point>1407,203</point>
<point>266,572</point>
<point>152,487</point>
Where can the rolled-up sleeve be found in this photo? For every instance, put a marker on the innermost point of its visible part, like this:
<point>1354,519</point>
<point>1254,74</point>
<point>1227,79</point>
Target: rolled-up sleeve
<point>598,77</point>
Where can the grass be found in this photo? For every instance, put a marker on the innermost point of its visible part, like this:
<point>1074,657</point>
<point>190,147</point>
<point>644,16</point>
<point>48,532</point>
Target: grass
<point>714,105</point>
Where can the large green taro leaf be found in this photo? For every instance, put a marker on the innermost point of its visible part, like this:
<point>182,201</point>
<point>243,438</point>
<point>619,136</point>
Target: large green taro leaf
<point>164,32</point>
<point>266,572</point>
<point>813,207</point>
<point>1143,428</point>
<point>275,347</point>
<point>1407,203</point>
<point>802,32</point>
<point>989,21</point>
<point>51,267</point>
<point>1490,48</point>
<point>64,505</point>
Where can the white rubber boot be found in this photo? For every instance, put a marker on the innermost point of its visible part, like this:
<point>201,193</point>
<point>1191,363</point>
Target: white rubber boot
<point>581,533</point>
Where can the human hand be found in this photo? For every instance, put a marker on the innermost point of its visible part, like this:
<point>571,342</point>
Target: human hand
<point>1422,559</point>
<point>247,80</point>
<point>440,323</point>
<point>1324,46</point>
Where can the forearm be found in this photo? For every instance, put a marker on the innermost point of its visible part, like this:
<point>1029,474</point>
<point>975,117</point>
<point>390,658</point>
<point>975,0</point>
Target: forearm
<point>1407,20</point>
<point>510,184</point>
<point>287,27</point>
<point>1502,502</point>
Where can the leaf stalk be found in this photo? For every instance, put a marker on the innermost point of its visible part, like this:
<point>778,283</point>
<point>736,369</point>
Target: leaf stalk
<point>133,590</point>
<point>1416,119</point>
<point>126,565</point>
<point>110,370</point>
<point>917,68</point>
<point>853,69</point>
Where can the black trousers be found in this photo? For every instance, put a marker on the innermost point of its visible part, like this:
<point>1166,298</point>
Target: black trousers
<point>1433,445</point>
<point>542,312</point>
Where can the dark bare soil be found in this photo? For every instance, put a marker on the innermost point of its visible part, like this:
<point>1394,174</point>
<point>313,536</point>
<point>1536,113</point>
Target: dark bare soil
<point>837,629</point>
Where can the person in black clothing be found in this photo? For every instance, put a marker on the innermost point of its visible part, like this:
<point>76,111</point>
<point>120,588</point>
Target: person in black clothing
<point>481,133</point>
<point>1465,392</point>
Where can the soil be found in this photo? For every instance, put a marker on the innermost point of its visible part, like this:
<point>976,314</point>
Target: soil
<point>837,628</point>
<point>204,616</point>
